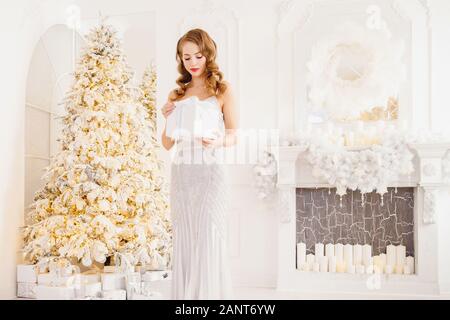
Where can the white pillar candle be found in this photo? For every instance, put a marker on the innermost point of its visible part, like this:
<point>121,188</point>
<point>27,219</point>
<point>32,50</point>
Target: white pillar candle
<point>360,269</point>
<point>406,269</point>
<point>410,263</point>
<point>301,254</point>
<point>367,254</point>
<point>350,139</point>
<point>340,266</point>
<point>400,255</point>
<point>403,125</point>
<point>398,269</point>
<point>324,264</point>
<point>360,126</point>
<point>391,255</point>
<point>329,250</point>
<point>351,269</point>
<point>330,128</point>
<point>332,264</point>
<point>310,260</point>
<point>369,269</point>
<point>377,261</point>
<point>377,269</point>
<point>348,255</point>
<point>318,251</point>
<point>357,254</point>
<point>339,252</point>
<point>316,267</point>
<point>380,126</point>
<point>383,260</point>
<point>388,269</point>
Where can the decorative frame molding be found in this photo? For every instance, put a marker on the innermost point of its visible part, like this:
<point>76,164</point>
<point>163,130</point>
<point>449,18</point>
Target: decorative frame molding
<point>293,16</point>
<point>210,16</point>
<point>429,205</point>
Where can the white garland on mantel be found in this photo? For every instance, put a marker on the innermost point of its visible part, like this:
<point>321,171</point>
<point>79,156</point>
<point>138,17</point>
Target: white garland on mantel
<point>366,169</point>
<point>370,169</point>
<point>266,172</point>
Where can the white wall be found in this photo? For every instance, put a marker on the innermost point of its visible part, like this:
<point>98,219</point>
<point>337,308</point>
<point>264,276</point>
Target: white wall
<point>252,223</point>
<point>12,81</point>
<point>440,13</point>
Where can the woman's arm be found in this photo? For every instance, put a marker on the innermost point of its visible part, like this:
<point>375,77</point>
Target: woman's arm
<point>166,141</point>
<point>166,111</point>
<point>230,117</point>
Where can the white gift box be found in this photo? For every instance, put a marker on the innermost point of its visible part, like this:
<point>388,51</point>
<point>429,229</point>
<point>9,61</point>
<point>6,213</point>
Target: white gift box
<point>156,275</point>
<point>133,284</point>
<point>116,269</point>
<point>133,277</point>
<point>55,293</point>
<point>162,286</point>
<point>64,271</point>
<point>109,269</point>
<point>27,273</point>
<point>51,279</point>
<point>114,294</point>
<point>147,267</point>
<point>90,278</point>
<point>91,289</point>
<point>193,118</point>
<point>151,296</point>
<point>26,290</point>
<point>113,281</point>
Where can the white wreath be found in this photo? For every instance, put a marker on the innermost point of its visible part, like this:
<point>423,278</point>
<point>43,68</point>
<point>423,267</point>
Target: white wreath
<point>353,71</point>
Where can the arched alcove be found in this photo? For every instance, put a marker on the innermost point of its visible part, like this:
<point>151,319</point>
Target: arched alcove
<point>49,78</point>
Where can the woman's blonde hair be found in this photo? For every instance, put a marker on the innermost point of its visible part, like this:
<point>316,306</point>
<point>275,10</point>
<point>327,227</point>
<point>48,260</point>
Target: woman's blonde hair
<point>208,48</point>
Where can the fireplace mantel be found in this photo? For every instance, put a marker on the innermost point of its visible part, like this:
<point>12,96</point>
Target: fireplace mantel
<point>430,191</point>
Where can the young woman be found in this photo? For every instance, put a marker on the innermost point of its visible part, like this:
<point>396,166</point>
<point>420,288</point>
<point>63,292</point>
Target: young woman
<point>198,189</point>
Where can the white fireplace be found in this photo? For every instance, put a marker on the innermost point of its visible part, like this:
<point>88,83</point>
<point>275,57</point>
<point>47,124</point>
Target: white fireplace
<point>430,191</point>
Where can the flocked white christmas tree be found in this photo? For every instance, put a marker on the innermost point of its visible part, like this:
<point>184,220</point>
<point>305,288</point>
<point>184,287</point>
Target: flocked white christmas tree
<point>103,192</point>
<point>148,95</point>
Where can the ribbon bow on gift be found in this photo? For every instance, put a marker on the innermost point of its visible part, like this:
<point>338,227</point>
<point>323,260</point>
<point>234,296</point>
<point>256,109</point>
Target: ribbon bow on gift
<point>63,275</point>
<point>123,264</point>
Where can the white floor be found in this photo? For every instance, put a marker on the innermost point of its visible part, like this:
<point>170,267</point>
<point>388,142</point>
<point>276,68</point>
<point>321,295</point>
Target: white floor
<point>246,293</point>
<point>252,293</point>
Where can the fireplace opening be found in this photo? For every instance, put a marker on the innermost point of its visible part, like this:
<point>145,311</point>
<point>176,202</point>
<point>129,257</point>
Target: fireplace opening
<point>330,226</point>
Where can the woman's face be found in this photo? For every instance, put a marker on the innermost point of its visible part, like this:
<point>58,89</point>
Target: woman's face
<point>193,60</point>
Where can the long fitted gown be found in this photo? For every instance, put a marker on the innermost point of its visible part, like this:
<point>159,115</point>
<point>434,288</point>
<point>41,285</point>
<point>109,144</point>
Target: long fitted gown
<point>198,197</point>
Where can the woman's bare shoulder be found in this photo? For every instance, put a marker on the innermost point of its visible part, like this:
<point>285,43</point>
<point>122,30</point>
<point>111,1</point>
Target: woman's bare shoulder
<point>228,94</point>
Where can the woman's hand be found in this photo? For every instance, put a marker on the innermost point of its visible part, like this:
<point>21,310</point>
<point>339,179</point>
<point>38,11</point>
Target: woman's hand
<point>212,143</point>
<point>167,109</point>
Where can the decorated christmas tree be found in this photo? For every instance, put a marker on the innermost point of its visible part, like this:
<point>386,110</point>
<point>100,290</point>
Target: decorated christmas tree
<point>103,192</point>
<point>148,94</point>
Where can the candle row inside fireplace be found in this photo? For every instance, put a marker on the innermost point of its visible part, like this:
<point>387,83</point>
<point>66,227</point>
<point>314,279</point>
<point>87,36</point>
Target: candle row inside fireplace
<point>354,259</point>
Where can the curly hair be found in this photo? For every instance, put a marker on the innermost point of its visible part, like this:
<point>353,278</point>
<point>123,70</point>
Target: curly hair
<point>214,77</point>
